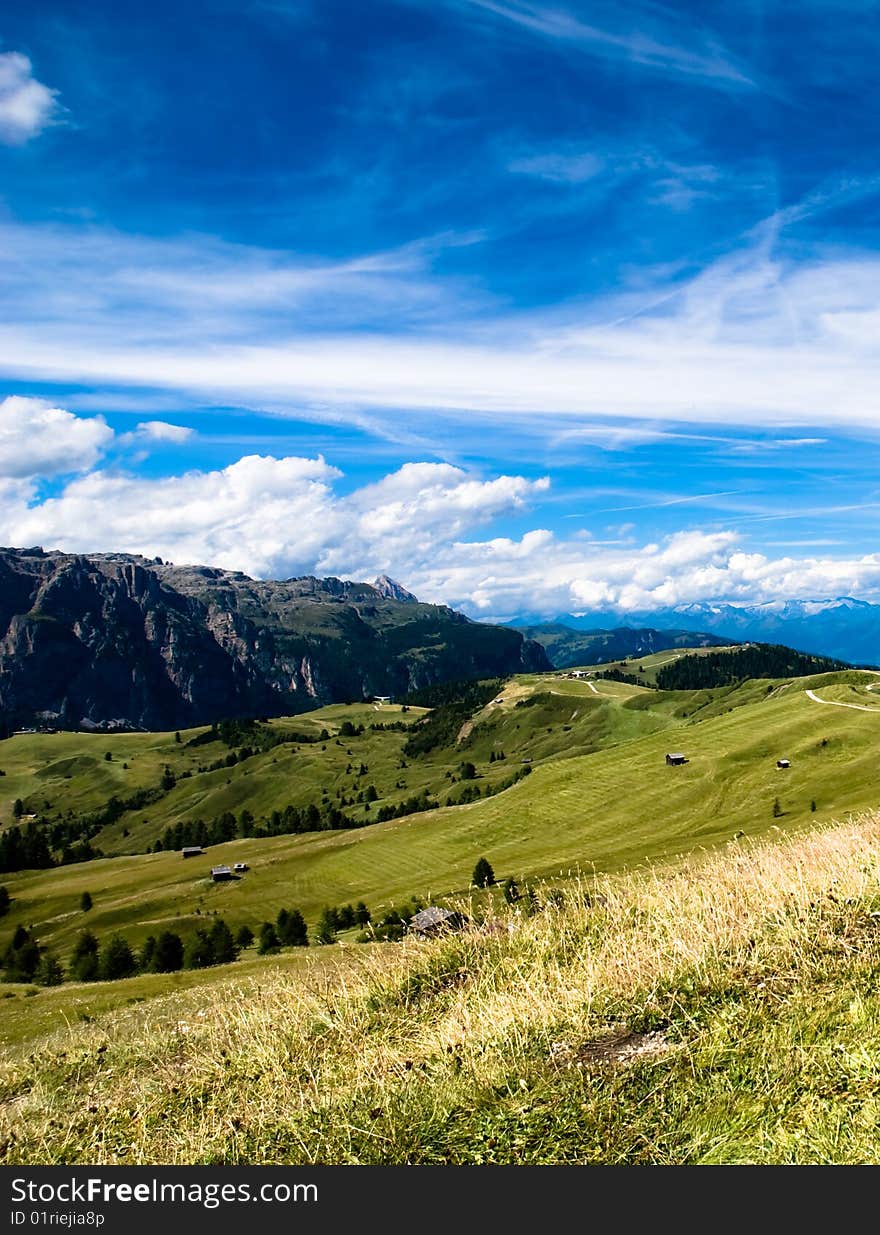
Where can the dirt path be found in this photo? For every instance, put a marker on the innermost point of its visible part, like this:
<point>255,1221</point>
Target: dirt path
<point>833,703</point>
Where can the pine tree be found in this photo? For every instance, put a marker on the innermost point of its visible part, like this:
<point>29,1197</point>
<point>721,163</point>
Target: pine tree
<point>361,914</point>
<point>85,902</point>
<point>511,891</point>
<point>199,952</point>
<point>85,960</point>
<point>224,946</point>
<point>22,957</point>
<point>244,937</point>
<point>268,939</point>
<point>147,954</point>
<point>49,971</point>
<point>117,960</point>
<point>483,876</point>
<point>4,901</point>
<point>326,929</point>
<point>297,930</point>
<point>168,957</point>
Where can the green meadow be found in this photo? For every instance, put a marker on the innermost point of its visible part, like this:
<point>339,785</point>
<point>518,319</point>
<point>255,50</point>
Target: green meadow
<point>687,924</point>
<point>599,798</point>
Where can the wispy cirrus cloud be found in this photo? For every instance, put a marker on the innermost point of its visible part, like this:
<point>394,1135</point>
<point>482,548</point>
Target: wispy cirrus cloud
<point>754,338</point>
<point>559,166</point>
<point>27,107</point>
<point>643,41</point>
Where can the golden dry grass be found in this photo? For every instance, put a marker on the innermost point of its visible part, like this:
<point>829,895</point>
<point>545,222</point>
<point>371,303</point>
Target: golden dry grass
<point>483,1046</point>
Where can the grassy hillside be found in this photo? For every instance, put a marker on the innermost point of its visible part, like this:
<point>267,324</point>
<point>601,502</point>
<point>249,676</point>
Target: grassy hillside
<point>722,1012</point>
<point>600,797</point>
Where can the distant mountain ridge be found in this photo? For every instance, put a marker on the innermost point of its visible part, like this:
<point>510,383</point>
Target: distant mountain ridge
<point>566,647</point>
<point>117,639</point>
<point>841,627</point>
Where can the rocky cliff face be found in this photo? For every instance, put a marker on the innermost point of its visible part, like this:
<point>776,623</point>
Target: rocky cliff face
<point>117,638</point>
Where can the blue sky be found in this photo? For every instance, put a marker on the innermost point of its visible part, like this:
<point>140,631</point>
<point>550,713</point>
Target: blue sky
<point>538,307</point>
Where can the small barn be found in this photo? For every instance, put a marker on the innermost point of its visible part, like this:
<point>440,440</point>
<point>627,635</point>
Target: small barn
<point>219,873</point>
<point>240,867</point>
<point>434,919</point>
<point>192,851</point>
<point>783,763</point>
<point>674,758</point>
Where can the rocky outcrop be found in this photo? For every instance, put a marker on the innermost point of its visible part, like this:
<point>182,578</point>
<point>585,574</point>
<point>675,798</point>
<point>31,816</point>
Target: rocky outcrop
<point>117,638</point>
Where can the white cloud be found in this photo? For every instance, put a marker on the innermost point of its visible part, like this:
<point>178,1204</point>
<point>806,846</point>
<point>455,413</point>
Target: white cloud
<point>703,59</point>
<point>26,105</point>
<point>562,168</point>
<point>274,518</point>
<point>753,339</point>
<point>38,440</point>
<point>268,516</point>
<point>161,431</point>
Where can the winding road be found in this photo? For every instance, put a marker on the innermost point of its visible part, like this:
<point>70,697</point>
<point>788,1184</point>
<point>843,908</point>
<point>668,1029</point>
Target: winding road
<point>834,703</point>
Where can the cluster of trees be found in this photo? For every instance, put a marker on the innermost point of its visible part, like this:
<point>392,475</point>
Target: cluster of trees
<point>617,675</point>
<point>453,704</point>
<point>471,792</point>
<point>409,806</point>
<point>293,819</point>
<point>24,960</point>
<point>341,918</point>
<point>25,848</point>
<point>252,736</point>
<point>760,660</point>
<point>289,930</point>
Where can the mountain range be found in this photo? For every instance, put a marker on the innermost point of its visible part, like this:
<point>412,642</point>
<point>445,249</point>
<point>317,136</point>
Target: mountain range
<point>841,627</point>
<point>117,640</point>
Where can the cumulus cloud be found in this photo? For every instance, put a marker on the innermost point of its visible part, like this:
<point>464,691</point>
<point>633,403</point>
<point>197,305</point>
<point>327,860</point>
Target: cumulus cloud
<point>26,105</point>
<point>38,440</point>
<point>162,431</point>
<point>270,517</point>
<point>149,432</point>
<point>274,518</point>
